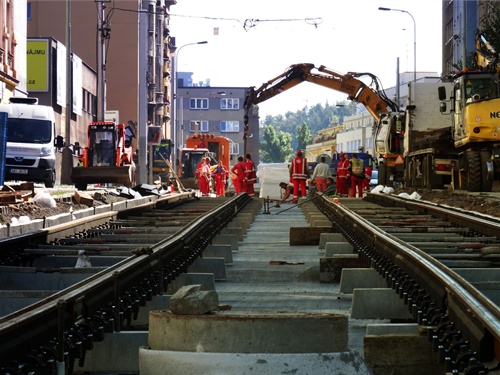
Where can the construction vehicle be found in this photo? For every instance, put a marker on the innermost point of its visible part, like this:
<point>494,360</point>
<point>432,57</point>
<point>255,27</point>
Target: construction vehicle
<point>31,142</point>
<point>107,157</point>
<point>475,119</point>
<point>417,147</point>
<point>198,146</point>
<point>389,119</point>
<point>161,160</point>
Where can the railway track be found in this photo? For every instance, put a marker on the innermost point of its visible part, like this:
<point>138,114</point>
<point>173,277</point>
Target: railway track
<point>444,265</point>
<point>135,254</point>
<point>441,262</point>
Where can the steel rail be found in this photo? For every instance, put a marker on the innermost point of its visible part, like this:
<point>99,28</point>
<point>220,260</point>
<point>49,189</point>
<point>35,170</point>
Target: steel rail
<point>61,327</point>
<point>441,301</point>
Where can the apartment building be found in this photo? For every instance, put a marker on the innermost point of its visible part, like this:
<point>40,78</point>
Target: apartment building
<point>110,29</point>
<point>218,111</point>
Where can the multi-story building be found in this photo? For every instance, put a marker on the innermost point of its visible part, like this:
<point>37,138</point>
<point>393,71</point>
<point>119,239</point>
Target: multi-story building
<point>13,49</point>
<point>357,133</point>
<point>461,19</point>
<point>218,111</point>
<point>113,27</point>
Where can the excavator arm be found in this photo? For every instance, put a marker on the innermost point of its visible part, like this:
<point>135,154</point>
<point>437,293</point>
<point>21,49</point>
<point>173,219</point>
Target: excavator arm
<point>349,84</point>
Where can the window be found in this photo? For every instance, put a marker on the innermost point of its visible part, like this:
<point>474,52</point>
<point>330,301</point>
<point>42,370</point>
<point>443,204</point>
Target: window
<point>28,11</point>
<point>198,103</point>
<point>230,126</point>
<point>198,126</point>
<point>229,104</point>
<point>235,149</point>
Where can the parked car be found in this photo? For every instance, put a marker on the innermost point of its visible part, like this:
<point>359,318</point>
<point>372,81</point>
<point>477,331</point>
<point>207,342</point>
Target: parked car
<point>374,179</point>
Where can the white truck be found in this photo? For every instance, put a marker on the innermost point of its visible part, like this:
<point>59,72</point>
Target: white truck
<point>417,150</point>
<point>31,151</point>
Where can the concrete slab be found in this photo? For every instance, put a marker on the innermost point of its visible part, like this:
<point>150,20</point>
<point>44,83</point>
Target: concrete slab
<point>392,329</point>
<point>237,231</point>
<point>219,251</point>
<point>485,280</point>
<point>160,302</point>
<point>249,332</point>
<point>330,268</point>
<point>319,222</point>
<point>353,278</point>
<point>330,237</point>
<point>226,239</point>
<point>102,360</point>
<point>408,354</point>
<point>378,303</point>
<point>157,362</point>
<point>336,248</point>
<point>216,266</point>
<point>302,236</point>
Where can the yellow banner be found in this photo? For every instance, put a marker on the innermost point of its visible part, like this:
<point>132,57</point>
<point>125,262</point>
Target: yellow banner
<point>37,60</point>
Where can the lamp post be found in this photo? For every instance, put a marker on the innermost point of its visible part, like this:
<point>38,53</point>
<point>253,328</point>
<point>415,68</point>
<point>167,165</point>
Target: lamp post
<point>414,38</point>
<point>176,86</point>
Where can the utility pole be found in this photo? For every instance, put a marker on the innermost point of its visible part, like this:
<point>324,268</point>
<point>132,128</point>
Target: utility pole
<point>143,88</point>
<point>102,34</point>
<point>67,156</point>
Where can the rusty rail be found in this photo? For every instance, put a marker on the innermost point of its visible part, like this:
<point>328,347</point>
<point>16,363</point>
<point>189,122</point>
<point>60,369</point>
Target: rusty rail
<point>463,325</point>
<point>61,328</point>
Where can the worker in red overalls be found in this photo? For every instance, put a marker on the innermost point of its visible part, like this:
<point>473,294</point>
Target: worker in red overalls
<point>220,173</point>
<point>250,175</point>
<point>343,176</point>
<point>368,177</point>
<point>239,170</point>
<point>299,173</point>
<point>205,176</point>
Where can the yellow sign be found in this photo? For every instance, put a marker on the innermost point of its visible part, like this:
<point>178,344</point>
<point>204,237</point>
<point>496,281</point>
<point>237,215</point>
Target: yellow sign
<point>37,61</point>
<point>399,160</point>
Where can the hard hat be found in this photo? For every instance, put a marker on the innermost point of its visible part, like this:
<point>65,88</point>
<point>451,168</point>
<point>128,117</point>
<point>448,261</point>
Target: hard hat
<point>299,152</point>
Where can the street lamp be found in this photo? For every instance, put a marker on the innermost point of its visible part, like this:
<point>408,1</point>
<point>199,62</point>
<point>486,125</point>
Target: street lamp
<point>176,86</point>
<point>414,38</point>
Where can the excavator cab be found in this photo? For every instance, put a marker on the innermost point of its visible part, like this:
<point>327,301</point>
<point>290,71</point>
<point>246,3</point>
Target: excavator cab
<point>102,145</point>
<point>106,159</point>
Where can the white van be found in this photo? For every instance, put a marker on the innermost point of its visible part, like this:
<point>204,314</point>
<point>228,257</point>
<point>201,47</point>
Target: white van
<point>30,154</point>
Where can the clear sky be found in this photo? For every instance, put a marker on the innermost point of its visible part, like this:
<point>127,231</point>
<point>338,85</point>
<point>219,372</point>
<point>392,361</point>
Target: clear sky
<point>253,41</point>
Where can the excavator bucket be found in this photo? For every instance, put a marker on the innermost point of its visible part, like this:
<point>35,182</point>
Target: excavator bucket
<point>81,176</point>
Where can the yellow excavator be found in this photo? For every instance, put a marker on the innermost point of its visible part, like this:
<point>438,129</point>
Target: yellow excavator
<point>475,112</point>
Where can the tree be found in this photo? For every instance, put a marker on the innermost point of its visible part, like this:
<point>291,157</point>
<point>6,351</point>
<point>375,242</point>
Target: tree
<point>303,136</point>
<point>276,146</point>
<point>490,23</point>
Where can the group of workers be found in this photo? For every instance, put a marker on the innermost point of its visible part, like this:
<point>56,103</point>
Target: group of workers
<point>243,175</point>
<point>348,171</point>
<point>204,173</point>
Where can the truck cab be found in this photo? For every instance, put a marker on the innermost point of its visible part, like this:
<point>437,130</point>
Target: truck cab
<point>31,151</point>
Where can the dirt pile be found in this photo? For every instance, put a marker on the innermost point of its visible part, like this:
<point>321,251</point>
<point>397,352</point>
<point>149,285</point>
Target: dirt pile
<point>486,203</point>
<point>33,211</point>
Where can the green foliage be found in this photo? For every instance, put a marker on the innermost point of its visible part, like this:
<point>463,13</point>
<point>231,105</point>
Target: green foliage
<point>313,119</point>
<point>490,23</point>
<point>275,146</point>
<point>303,136</point>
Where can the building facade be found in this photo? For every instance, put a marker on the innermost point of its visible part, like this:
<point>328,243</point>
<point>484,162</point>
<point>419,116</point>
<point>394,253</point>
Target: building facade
<point>13,49</point>
<point>218,111</point>
<point>112,27</point>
